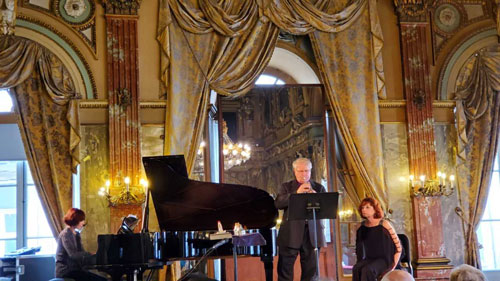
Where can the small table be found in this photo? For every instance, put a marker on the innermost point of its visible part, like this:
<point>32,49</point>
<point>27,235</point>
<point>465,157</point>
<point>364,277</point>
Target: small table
<point>245,240</point>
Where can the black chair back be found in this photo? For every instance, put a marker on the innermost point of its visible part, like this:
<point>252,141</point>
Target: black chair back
<point>405,259</point>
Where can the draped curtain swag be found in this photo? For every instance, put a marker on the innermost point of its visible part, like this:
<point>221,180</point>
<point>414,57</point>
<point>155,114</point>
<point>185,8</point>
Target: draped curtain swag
<point>47,112</point>
<point>478,124</point>
<point>225,45</point>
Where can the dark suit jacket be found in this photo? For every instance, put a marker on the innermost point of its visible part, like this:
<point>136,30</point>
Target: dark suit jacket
<point>291,233</point>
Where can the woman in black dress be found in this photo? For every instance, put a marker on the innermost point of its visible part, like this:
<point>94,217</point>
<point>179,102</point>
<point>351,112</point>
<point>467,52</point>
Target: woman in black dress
<point>377,245</point>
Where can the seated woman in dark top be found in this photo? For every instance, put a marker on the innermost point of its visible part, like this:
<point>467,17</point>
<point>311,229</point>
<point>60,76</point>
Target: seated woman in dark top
<point>70,255</point>
<point>377,245</point>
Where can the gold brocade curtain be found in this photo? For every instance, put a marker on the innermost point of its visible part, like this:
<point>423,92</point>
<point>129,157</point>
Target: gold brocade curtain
<point>225,45</point>
<point>208,47</point>
<point>478,122</point>
<point>350,64</point>
<point>47,117</point>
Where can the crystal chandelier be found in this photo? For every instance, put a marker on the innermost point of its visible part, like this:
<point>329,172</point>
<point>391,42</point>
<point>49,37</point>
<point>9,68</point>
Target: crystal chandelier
<point>234,153</point>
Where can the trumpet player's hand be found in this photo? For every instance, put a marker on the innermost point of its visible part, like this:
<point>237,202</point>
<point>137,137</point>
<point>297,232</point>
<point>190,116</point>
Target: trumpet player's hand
<point>305,188</point>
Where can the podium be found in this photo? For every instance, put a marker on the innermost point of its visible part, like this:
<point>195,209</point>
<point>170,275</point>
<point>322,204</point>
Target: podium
<point>313,206</point>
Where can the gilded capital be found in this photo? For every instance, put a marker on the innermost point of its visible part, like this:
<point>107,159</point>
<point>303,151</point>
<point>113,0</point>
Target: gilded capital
<point>412,10</point>
<point>122,7</point>
<point>8,16</point>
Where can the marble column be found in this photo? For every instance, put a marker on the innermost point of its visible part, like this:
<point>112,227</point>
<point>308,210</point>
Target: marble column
<point>123,97</point>
<point>431,262</point>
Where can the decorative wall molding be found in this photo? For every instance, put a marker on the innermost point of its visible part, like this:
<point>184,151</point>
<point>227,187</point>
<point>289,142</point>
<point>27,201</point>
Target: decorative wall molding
<point>163,104</point>
<point>456,57</point>
<point>79,15</point>
<point>449,18</point>
<point>104,104</point>
<point>411,10</point>
<point>48,36</point>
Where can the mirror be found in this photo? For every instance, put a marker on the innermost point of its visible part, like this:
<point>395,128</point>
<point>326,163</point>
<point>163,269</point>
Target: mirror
<point>278,124</point>
<point>349,221</point>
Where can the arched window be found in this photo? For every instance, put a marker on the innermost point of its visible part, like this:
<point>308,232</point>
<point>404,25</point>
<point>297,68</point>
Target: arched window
<point>5,101</point>
<point>266,79</point>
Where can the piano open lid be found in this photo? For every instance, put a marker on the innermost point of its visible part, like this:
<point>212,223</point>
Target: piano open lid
<point>183,204</point>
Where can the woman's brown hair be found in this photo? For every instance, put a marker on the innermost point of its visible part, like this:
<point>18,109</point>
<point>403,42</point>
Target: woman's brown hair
<point>74,216</point>
<point>376,206</point>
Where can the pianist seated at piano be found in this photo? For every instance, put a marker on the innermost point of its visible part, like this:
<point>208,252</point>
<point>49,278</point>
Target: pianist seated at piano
<point>70,255</point>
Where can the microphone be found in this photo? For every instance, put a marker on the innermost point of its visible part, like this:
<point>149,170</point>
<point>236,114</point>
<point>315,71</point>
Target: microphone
<point>220,243</point>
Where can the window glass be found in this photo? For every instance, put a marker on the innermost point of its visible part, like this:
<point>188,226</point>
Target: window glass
<point>38,229</point>
<point>265,79</point>
<point>36,220</point>
<point>37,232</point>
<point>5,101</point>
<point>8,219</point>
<point>489,227</point>
<point>29,178</point>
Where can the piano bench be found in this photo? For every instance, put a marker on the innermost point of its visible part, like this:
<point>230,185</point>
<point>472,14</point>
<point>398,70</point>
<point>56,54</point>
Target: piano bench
<point>62,279</point>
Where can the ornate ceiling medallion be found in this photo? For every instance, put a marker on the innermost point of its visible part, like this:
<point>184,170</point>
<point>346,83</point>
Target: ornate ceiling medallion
<point>447,18</point>
<point>75,12</point>
<point>75,8</point>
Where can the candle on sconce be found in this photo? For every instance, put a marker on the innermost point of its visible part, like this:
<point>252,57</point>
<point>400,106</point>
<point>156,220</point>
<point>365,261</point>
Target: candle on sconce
<point>145,184</point>
<point>126,180</point>
<point>411,180</point>
<point>440,177</point>
<point>452,181</point>
<point>443,176</point>
<point>108,184</point>
<point>422,180</point>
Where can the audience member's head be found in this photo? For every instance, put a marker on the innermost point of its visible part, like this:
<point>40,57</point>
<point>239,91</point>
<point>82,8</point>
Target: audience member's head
<point>398,275</point>
<point>379,213</point>
<point>466,272</point>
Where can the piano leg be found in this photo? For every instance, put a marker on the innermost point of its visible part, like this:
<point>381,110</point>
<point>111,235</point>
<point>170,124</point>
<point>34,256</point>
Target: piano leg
<point>268,267</point>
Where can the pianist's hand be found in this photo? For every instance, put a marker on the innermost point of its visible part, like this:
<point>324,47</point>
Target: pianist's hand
<point>305,188</point>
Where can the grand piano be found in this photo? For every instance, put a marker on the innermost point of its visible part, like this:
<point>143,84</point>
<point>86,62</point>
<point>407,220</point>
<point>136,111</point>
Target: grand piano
<point>188,212</point>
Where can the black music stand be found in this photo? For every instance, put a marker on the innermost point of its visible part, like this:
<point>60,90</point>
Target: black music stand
<point>313,206</point>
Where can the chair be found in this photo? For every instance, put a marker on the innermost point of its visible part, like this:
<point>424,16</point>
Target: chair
<point>405,259</point>
<point>62,279</point>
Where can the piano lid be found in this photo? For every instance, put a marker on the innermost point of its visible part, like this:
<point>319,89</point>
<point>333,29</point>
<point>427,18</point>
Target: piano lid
<point>183,204</point>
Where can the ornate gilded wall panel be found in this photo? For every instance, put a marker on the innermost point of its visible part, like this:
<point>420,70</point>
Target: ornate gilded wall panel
<point>77,14</point>
<point>450,17</point>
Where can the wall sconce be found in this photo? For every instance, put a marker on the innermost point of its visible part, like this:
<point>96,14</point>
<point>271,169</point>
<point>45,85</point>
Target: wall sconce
<point>431,187</point>
<point>127,193</point>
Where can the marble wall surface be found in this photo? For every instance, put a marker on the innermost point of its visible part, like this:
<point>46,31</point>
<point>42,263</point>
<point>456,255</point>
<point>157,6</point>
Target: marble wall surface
<point>394,141</point>
<point>94,169</point>
<point>446,139</point>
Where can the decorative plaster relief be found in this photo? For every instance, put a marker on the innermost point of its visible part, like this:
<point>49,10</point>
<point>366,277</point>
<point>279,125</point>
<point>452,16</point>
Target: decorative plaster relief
<point>447,18</point>
<point>474,11</point>
<point>7,16</point>
<point>75,8</point>
<point>44,4</point>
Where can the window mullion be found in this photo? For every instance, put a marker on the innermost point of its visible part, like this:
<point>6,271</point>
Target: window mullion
<point>20,205</point>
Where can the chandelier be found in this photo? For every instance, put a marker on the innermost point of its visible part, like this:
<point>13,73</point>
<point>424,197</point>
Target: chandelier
<point>234,153</point>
